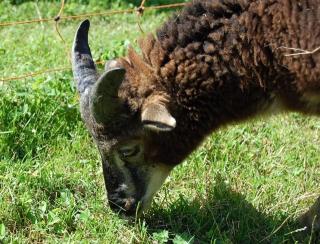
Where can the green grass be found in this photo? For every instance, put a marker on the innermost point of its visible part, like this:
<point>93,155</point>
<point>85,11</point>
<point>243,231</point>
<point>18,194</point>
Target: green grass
<point>246,184</point>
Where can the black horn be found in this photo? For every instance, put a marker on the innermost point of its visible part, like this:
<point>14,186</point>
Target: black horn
<point>84,69</point>
<point>103,92</point>
<point>104,101</point>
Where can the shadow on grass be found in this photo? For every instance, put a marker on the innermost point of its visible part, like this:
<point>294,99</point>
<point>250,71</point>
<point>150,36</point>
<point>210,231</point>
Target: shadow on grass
<point>222,216</point>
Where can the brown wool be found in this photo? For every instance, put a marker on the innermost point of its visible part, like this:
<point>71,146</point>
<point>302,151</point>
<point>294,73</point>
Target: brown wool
<point>225,60</point>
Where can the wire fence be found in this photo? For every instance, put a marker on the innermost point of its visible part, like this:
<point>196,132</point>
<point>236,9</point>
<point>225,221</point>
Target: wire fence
<point>57,19</point>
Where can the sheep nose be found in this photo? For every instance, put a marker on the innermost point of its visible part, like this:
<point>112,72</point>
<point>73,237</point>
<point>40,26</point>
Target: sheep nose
<point>126,206</point>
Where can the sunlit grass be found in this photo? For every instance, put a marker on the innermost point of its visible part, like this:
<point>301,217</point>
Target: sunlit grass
<point>246,184</point>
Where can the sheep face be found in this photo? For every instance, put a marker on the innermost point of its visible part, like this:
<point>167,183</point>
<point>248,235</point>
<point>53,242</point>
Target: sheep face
<point>131,180</point>
<point>127,139</point>
<point>131,170</point>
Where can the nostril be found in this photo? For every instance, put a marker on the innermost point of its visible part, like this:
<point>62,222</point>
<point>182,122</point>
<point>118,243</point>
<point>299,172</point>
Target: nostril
<point>116,206</point>
<point>129,203</point>
<point>125,206</point>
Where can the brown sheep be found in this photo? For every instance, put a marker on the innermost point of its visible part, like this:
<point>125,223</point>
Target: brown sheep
<point>215,63</point>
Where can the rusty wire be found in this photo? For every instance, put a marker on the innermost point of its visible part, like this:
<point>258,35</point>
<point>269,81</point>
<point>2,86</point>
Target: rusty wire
<point>41,72</point>
<point>73,17</point>
<point>57,20</point>
<point>140,10</point>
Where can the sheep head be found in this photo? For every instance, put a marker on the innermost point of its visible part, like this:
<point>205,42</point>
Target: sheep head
<point>126,135</point>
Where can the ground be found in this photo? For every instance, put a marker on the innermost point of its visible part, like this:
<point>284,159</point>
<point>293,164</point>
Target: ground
<point>246,184</point>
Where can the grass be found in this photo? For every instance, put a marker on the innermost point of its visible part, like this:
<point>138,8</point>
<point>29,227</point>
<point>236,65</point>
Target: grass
<point>246,184</point>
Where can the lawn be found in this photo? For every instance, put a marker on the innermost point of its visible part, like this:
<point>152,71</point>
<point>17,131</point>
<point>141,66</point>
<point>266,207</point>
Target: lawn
<point>247,183</point>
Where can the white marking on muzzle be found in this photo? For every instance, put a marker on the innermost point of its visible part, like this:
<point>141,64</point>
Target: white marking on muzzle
<point>157,175</point>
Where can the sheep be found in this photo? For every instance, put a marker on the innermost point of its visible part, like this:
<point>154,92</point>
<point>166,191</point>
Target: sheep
<point>216,62</point>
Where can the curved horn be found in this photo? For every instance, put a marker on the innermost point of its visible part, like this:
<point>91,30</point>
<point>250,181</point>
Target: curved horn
<point>103,91</point>
<point>104,103</point>
<point>84,70</point>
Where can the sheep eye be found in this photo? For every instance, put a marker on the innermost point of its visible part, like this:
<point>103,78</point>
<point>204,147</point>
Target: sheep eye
<point>129,151</point>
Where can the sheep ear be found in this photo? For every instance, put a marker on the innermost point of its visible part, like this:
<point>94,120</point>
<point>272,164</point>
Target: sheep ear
<point>156,117</point>
<point>104,102</point>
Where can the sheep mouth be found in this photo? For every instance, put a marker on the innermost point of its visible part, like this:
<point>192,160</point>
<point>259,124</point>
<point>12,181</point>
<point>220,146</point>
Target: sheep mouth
<point>131,208</point>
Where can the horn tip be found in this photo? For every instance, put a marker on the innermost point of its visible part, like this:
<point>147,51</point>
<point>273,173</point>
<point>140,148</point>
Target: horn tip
<point>80,43</point>
<point>85,25</point>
